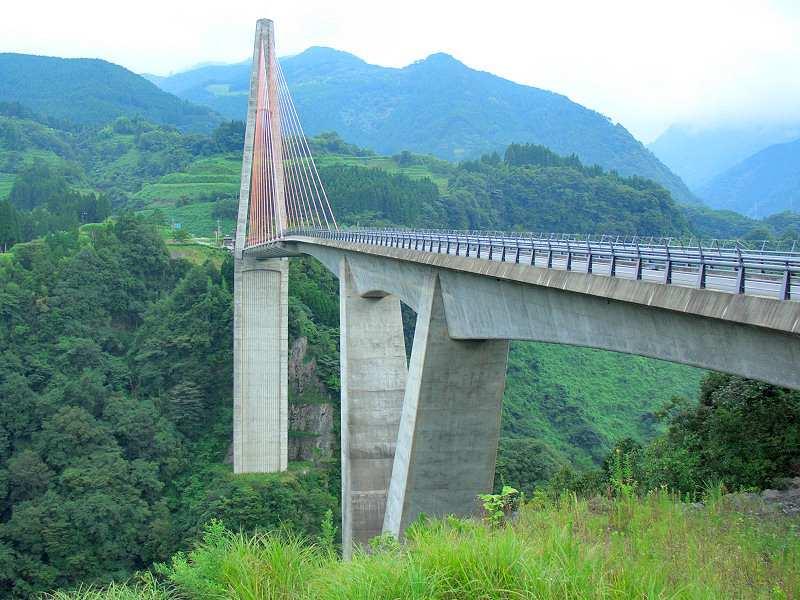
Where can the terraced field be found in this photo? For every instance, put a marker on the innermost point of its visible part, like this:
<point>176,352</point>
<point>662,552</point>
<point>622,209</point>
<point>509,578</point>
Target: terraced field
<point>386,163</point>
<point>217,176</point>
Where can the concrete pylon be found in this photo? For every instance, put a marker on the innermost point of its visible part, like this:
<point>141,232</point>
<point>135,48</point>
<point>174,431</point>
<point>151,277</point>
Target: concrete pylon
<point>374,372</point>
<point>260,373</point>
<point>447,444</point>
<point>260,341</point>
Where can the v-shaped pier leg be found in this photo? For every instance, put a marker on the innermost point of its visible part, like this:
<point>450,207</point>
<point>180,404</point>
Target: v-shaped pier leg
<point>447,445</point>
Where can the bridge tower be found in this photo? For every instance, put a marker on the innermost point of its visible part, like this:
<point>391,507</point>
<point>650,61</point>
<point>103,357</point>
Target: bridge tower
<point>260,342</point>
<point>280,190</point>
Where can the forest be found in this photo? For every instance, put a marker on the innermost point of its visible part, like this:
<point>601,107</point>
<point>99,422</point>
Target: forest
<point>115,379</point>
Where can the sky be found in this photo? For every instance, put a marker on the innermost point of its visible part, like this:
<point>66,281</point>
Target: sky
<point>644,63</point>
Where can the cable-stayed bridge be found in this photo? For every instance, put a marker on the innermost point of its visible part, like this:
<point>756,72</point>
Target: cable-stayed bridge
<point>421,436</point>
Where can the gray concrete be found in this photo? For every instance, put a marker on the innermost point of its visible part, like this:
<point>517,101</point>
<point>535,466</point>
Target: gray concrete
<point>450,426</point>
<point>744,335</point>
<point>373,380</point>
<point>260,340</point>
<point>260,420</point>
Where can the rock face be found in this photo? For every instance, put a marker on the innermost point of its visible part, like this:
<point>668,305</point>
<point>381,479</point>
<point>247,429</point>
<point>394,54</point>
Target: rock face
<point>788,500</point>
<point>310,431</point>
<point>310,416</point>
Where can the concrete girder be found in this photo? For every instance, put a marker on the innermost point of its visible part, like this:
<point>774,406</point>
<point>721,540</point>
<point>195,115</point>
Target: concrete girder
<point>750,336</point>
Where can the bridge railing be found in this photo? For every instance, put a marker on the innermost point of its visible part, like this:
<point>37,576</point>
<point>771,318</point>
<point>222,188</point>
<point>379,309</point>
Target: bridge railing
<point>745,270</point>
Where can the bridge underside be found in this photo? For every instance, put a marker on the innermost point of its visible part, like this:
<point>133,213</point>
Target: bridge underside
<point>423,439</point>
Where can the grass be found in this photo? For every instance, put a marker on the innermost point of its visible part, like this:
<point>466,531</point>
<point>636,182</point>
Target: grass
<point>655,547</point>
<point>196,253</point>
<point>196,218</point>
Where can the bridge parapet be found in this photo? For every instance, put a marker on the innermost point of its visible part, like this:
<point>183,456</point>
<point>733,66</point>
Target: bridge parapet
<point>760,272</point>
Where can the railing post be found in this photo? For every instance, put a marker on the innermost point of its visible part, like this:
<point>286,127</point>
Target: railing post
<point>503,255</point>
<point>589,262</point>
<point>491,248</point>
<point>569,257</point>
<point>479,248</point>
<point>786,286</point>
<point>740,273</point>
<point>638,262</point>
<point>467,254</point>
<point>458,246</point>
<point>549,255</point>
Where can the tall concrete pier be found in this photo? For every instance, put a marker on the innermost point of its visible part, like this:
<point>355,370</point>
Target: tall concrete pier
<point>260,343</point>
<point>374,373</point>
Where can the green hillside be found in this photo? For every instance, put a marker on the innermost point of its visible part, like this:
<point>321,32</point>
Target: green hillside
<point>436,106</point>
<point>93,92</point>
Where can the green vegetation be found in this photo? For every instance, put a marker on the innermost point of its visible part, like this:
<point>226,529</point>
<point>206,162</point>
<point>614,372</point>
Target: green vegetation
<point>549,401</point>
<point>115,417</point>
<point>571,548</point>
<point>616,533</point>
<point>93,92</point>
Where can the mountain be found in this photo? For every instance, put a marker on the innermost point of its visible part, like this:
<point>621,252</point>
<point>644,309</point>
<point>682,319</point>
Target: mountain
<point>699,155</point>
<point>437,105</point>
<point>93,92</point>
<point>764,184</point>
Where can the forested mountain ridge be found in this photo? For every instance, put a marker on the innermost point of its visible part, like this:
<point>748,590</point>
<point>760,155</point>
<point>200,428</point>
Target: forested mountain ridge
<point>436,105</point>
<point>761,185</point>
<point>85,91</point>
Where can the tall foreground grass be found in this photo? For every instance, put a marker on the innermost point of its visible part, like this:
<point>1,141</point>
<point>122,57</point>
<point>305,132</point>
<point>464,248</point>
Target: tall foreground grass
<point>628,548</point>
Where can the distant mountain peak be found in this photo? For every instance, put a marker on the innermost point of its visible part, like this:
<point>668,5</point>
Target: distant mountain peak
<point>327,53</point>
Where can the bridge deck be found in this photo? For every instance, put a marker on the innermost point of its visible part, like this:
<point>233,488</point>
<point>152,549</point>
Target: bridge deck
<point>765,273</point>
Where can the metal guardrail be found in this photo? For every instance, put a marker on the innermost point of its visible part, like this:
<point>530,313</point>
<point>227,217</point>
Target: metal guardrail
<point>734,269</point>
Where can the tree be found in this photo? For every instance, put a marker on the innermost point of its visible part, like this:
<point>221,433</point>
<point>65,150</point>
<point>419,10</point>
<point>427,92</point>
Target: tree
<point>10,232</point>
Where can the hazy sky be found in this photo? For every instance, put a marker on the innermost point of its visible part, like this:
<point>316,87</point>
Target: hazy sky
<point>644,63</point>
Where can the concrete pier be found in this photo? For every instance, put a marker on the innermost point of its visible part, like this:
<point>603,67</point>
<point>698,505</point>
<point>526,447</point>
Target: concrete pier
<point>450,426</point>
<point>260,402</point>
<point>261,366</point>
<point>373,371</point>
